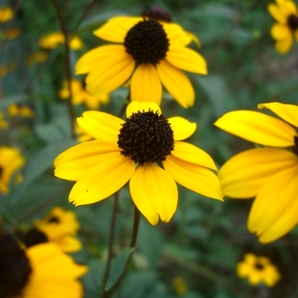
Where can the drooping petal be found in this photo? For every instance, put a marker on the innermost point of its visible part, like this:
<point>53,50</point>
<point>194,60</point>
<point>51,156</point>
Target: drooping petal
<point>116,28</point>
<point>145,84</point>
<point>182,128</point>
<point>102,180</point>
<point>176,34</point>
<point>258,128</point>
<point>154,192</point>
<point>277,14</point>
<point>100,125</point>
<point>136,106</point>
<point>274,211</point>
<point>176,82</point>
<point>279,31</point>
<point>287,112</point>
<point>283,46</point>
<point>245,174</point>
<point>193,177</point>
<point>193,154</point>
<point>186,59</point>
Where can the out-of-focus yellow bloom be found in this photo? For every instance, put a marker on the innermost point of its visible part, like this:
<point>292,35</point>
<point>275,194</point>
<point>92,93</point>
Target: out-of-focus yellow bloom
<point>13,33</point>
<point>53,40</point>
<point>3,122</point>
<point>179,285</point>
<point>37,57</point>
<point>19,110</point>
<point>258,270</point>
<point>6,14</point>
<point>5,69</point>
<point>76,43</point>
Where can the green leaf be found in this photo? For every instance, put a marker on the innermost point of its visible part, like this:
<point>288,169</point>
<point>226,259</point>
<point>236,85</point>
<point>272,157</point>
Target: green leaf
<point>12,99</point>
<point>118,267</point>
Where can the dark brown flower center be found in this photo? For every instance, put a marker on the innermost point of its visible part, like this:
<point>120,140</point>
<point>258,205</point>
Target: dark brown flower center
<point>34,237</point>
<point>293,22</point>
<point>1,171</point>
<point>54,219</point>
<point>158,13</point>
<point>146,137</point>
<point>259,266</point>
<point>147,42</point>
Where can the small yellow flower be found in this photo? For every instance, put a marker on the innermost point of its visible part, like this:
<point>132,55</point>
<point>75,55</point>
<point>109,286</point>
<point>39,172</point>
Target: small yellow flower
<point>258,270</point>
<point>146,149</point>
<point>286,27</point>
<point>10,161</point>
<point>6,14</point>
<point>37,57</point>
<point>13,33</point>
<point>3,122</point>
<point>179,285</point>
<point>54,39</point>
<point>269,173</point>
<point>15,110</point>
<point>149,53</point>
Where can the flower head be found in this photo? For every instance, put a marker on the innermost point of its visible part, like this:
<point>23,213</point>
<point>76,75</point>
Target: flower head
<point>146,51</point>
<point>54,39</point>
<point>258,269</point>
<point>146,149</point>
<point>268,173</point>
<point>15,110</point>
<point>6,14</point>
<point>40,271</point>
<point>286,27</point>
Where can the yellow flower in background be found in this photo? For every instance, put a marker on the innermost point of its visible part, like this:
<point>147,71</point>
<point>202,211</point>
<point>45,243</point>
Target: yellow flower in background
<point>37,57</point>
<point>10,161</point>
<point>13,33</point>
<point>41,271</point>
<point>15,110</point>
<point>269,173</point>
<point>3,122</point>
<point>146,149</point>
<point>54,39</point>
<point>6,14</point>
<point>7,68</point>
<point>80,95</point>
<point>147,52</point>
<point>285,29</point>
<point>258,269</point>
<point>179,285</point>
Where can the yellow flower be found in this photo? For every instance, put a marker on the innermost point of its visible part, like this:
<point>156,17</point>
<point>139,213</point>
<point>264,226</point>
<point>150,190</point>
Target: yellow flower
<point>37,57</point>
<point>258,270</point>
<point>54,39</point>
<point>147,52</point>
<point>269,173</point>
<point>179,285</point>
<point>3,122</point>
<point>80,95</point>
<point>13,33</point>
<point>286,27</point>
<point>5,69</point>
<point>41,271</point>
<point>6,14</point>
<point>135,150</point>
<point>20,110</point>
<point>10,161</point>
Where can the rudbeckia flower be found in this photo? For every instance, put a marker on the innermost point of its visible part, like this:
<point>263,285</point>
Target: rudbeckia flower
<point>269,173</point>
<point>146,149</point>
<point>15,110</point>
<point>41,271</point>
<point>6,14</point>
<point>147,52</point>
<point>59,226</point>
<point>54,39</point>
<point>286,27</point>
<point>258,269</point>
<point>10,161</point>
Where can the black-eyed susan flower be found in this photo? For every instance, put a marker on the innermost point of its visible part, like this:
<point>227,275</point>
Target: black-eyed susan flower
<point>6,14</point>
<point>54,39</point>
<point>258,270</point>
<point>268,173</point>
<point>81,95</point>
<point>41,271</point>
<point>147,52</point>
<point>59,226</point>
<point>146,149</point>
<point>285,30</point>
<point>10,161</point>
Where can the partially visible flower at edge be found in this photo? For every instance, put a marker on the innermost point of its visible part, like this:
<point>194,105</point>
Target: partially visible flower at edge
<point>6,14</point>
<point>54,39</point>
<point>258,269</point>
<point>134,150</point>
<point>268,173</point>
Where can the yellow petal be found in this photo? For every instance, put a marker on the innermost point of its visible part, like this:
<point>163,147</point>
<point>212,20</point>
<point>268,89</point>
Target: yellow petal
<point>186,59</point>
<point>274,211</point>
<point>244,174</point>
<point>177,83</point>
<point>154,192</point>
<point>287,7</point>
<point>100,125</point>
<point>194,177</point>
<point>258,128</point>
<point>136,106</point>
<point>193,154</point>
<point>116,28</point>
<point>176,34</point>
<point>182,128</point>
<point>277,14</point>
<point>68,243</point>
<point>145,84</point>
<point>279,31</point>
<point>287,112</point>
<point>102,180</point>
<point>283,46</point>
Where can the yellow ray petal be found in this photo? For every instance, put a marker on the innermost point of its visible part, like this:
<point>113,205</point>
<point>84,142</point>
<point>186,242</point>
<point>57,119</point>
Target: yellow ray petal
<point>258,128</point>
<point>154,192</point>
<point>186,59</point>
<point>193,154</point>
<point>182,128</point>
<point>193,177</point>
<point>287,7</point>
<point>176,34</point>
<point>277,14</point>
<point>283,46</point>
<point>176,82</point>
<point>116,28</point>
<point>145,84</point>
<point>68,243</point>
<point>287,112</point>
<point>279,31</point>
<point>100,125</point>
<point>244,174</point>
<point>274,211</point>
<point>102,181</point>
<point>136,106</point>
